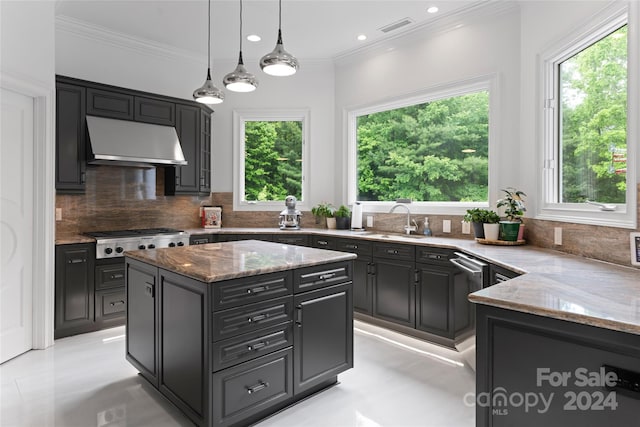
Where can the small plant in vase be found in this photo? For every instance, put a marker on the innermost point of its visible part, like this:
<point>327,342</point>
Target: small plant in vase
<point>324,210</point>
<point>343,218</point>
<point>491,226</point>
<point>514,209</point>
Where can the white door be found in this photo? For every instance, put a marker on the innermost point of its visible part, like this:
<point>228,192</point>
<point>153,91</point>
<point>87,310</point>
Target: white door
<point>16,223</point>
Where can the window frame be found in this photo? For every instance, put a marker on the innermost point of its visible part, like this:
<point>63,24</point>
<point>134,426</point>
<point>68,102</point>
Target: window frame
<point>487,83</point>
<point>625,216</point>
<point>239,119</point>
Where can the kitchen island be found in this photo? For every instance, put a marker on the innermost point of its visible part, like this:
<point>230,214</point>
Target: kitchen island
<point>233,332</point>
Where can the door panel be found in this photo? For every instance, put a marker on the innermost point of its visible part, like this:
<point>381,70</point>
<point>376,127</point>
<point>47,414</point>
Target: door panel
<point>16,222</point>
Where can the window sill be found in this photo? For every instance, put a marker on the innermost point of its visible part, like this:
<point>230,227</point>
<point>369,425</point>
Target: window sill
<point>617,219</point>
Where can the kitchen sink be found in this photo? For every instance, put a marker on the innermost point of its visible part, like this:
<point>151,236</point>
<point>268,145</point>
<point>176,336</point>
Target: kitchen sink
<point>393,235</point>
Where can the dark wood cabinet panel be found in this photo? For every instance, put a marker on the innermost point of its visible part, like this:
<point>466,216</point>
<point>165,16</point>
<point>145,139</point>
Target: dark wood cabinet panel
<point>109,104</point>
<point>287,239</point>
<point>70,138</point>
<point>205,152</point>
<point>142,319</point>
<point>362,285</point>
<point>435,301</point>
<point>187,177</point>
<point>323,335</point>
<point>394,291</point>
<point>202,239</point>
<point>74,289</point>
<point>155,111</point>
<point>110,308</point>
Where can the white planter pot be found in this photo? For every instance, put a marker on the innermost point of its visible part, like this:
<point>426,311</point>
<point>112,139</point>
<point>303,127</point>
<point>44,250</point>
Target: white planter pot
<point>491,231</point>
<point>331,223</point>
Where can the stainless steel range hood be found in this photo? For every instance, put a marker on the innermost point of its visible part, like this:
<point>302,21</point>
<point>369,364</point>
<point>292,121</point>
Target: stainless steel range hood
<point>132,143</point>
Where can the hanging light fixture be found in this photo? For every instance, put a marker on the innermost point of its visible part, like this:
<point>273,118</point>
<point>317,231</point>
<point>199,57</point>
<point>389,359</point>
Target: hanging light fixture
<point>279,62</point>
<point>208,93</point>
<point>240,80</point>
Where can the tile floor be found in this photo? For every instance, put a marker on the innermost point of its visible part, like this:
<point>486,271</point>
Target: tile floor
<point>85,381</point>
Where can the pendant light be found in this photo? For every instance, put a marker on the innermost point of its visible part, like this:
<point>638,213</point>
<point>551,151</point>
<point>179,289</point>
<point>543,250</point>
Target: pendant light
<point>279,62</point>
<point>240,80</point>
<point>208,93</point>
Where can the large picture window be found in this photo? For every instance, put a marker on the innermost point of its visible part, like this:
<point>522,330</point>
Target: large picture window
<point>271,155</point>
<point>432,148</point>
<point>589,174</point>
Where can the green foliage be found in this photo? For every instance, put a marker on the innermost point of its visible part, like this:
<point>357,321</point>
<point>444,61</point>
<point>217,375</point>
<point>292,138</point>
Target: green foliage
<point>594,119</point>
<point>323,210</point>
<point>492,218</point>
<point>343,212</point>
<point>513,203</point>
<point>273,153</point>
<point>416,152</point>
<point>478,215</point>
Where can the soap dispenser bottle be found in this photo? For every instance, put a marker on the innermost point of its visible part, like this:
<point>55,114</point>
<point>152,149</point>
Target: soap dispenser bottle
<point>427,229</point>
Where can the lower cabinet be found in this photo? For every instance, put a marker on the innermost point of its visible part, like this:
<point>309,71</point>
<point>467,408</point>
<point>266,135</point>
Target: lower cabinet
<point>230,354</point>
<point>74,289</point>
<point>394,291</point>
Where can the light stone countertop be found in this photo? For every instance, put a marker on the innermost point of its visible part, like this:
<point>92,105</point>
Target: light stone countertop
<point>214,262</point>
<point>555,285</point>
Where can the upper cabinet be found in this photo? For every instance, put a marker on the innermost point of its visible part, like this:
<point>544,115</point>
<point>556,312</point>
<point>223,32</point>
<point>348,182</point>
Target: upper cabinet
<point>75,99</point>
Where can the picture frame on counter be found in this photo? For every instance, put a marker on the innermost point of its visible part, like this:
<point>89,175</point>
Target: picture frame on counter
<point>212,217</point>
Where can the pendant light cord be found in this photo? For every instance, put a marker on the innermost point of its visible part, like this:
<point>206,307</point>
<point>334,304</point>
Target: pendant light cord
<point>209,41</point>
<point>279,14</point>
<point>241,26</point>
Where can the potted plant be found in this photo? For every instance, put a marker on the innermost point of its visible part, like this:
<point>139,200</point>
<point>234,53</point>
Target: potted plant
<point>491,226</point>
<point>514,210</point>
<point>324,210</point>
<point>343,218</point>
<point>477,217</point>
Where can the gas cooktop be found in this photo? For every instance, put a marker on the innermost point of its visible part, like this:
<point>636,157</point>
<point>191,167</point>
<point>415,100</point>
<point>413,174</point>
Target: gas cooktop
<point>113,244</point>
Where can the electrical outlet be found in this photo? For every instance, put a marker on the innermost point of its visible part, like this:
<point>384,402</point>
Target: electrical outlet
<point>446,226</point>
<point>369,221</point>
<point>58,214</point>
<point>557,236</point>
<point>466,227</point>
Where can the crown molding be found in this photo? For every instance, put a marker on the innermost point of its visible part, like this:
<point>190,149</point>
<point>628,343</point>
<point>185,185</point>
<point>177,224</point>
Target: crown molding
<point>105,36</point>
<point>478,10</point>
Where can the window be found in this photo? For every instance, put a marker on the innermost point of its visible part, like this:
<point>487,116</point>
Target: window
<point>432,148</point>
<point>587,156</point>
<point>270,152</point>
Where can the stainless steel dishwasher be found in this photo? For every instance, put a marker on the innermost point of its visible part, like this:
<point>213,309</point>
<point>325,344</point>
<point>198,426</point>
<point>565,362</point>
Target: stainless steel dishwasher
<point>477,273</point>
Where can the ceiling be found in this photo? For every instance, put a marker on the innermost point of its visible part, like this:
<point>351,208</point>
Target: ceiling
<point>312,29</point>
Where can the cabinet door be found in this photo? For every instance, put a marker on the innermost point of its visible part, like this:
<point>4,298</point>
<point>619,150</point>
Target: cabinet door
<point>434,307</point>
<point>394,292</point>
<point>323,335</point>
<point>70,138</point>
<point>362,291</point>
<point>142,314</point>
<point>155,111</point>
<point>74,289</point>
<point>187,177</point>
<point>105,103</point>
<point>205,152</point>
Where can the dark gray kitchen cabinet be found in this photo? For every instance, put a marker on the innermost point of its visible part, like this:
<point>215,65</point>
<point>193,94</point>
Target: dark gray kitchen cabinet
<point>110,301</point>
<point>323,335</point>
<point>205,152</point>
<point>156,111</point>
<point>299,240</point>
<point>202,239</point>
<point>187,177</point>
<point>110,104</point>
<point>74,289</point>
<point>142,346</point>
<point>323,242</point>
<point>71,129</point>
<point>394,283</point>
<point>227,237</point>
<point>499,274</point>
<point>362,272</point>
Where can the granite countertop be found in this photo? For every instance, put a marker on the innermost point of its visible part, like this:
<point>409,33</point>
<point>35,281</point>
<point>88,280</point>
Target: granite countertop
<point>215,262</point>
<point>69,239</point>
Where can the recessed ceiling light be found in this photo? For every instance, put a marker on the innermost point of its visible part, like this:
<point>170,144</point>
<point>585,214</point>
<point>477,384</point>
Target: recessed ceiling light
<point>254,38</point>
<point>432,9</point>
<point>362,37</point>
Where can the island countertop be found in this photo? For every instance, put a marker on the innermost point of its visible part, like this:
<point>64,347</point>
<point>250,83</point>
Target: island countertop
<point>215,262</point>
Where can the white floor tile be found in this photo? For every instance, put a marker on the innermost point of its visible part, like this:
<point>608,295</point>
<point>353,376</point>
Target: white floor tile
<point>85,381</point>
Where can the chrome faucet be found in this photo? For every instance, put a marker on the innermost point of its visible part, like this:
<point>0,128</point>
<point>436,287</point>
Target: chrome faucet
<point>407,228</point>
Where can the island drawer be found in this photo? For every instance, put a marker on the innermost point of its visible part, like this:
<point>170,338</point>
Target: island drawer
<point>321,276</point>
<point>246,290</point>
<point>245,347</point>
<point>394,251</point>
<point>247,389</point>
<point>248,318</point>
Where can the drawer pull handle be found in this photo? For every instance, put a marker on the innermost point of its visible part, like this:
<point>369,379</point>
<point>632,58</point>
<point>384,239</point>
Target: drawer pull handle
<point>258,318</point>
<point>323,242</point>
<point>256,388</point>
<point>117,276</point>
<point>352,246</point>
<point>77,260</point>
<point>392,251</point>
<point>257,289</point>
<point>114,303</point>
<point>257,346</point>
<point>327,276</point>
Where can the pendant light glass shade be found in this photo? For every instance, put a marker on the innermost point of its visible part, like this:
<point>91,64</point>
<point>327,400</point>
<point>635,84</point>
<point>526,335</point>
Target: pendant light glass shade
<point>240,80</point>
<point>208,93</point>
<point>279,62</point>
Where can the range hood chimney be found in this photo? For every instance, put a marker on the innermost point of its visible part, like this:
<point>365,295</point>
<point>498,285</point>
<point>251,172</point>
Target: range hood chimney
<point>121,142</point>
